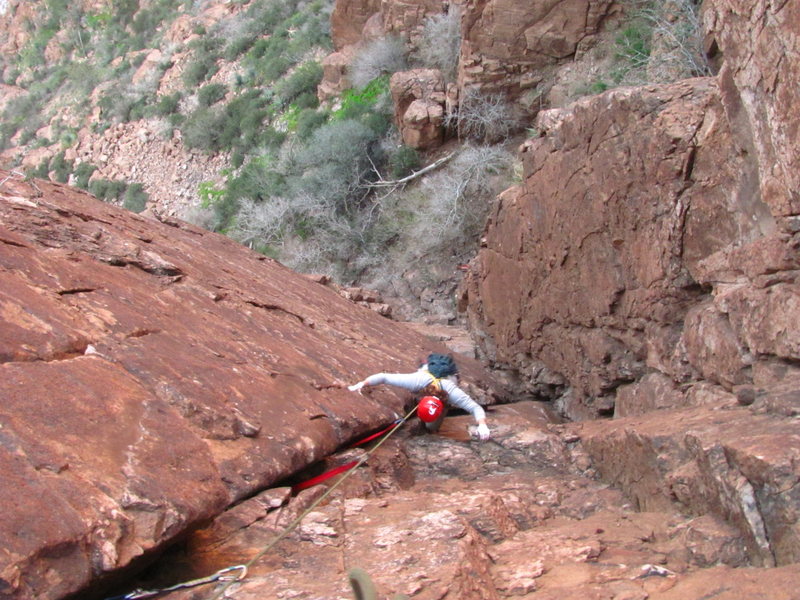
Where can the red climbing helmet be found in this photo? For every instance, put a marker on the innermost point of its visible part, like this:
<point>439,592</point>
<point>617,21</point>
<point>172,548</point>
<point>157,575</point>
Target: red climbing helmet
<point>429,409</point>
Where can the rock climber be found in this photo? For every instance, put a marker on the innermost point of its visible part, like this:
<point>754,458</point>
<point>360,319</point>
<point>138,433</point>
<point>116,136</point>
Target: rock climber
<point>435,378</point>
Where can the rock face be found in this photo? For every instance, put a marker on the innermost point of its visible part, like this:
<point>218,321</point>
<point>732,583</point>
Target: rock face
<point>653,243</point>
<point>152,373</point>
<point>512,47</point>
<point>759,86</point>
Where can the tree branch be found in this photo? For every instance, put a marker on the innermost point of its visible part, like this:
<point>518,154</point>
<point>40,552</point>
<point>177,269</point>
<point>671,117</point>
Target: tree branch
<point>414,175</point>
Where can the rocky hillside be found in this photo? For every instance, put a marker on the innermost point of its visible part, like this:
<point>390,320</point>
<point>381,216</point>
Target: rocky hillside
<point>237,116</point>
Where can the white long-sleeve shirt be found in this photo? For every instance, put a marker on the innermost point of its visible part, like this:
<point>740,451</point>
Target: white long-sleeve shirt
<point>419,380</point>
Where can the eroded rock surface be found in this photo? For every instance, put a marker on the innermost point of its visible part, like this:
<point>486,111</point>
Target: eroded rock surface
<point>519,517</point>
<point>152,373</point>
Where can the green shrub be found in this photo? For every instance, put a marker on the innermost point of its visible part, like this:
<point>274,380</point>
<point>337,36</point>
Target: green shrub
<point>273,67</point>
<point>309,120</point>
<point>124,11</point>
<point>135,198</point>
<point>304,80</point>
<point>269,137</point>
<point>200,130</point>
<point>21,112</point>
<point>632,44</point>
<point>82,174</point>
<point>41,171</point>
<point>258,180</point>
<point>107,189</point>
<point>68,137</point>
<point>356,103</point>
<point>119,105</point>
<point>211,93</point>
<point>61,167</point>
<point>167,104</point>
<point>239,124</point>
<point>198,70</point>
<point>266,15</point>
<point>238,47</point>
<point>403,161</point>
<point>205,53</point>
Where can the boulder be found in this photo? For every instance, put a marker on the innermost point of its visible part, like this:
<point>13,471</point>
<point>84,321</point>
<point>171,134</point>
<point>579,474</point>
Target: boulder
<point>504,42</point>
<point>334,74</point>
<point>419,101</point>
<point>348,19</point>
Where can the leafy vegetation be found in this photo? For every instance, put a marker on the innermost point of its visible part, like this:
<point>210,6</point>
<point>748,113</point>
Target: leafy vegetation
<point>303,182</point>
<point>661,42</point>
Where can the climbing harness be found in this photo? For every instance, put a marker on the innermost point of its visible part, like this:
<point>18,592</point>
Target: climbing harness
<point>221,575</point>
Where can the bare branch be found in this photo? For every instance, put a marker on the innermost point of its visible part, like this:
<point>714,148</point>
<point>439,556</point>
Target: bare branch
<point>398,182</point>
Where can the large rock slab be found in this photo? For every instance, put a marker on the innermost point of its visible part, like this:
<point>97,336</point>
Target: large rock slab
<point>736,463</point>
<point>152,373</point>
<point>602,240</point>
<point>655,237</point>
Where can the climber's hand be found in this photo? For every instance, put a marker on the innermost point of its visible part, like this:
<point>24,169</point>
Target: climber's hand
<point>483,432</point>
<point>356,387</point>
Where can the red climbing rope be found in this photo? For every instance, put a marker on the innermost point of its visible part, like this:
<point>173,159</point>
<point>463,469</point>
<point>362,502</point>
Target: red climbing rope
<point>345,467</point>
<point>326,475</point>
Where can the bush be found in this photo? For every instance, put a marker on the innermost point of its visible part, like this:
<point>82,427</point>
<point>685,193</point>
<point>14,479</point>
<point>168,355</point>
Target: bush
<point>107,189</point>
<point>488,118</point>
<point>167,104</point>
<point>135,198</point>
<point>82,174</point>
<point>357,102</point>
<point>458,194</point>
<point>309,120</point>
<point>440,43</point>
<point>403,161</point>
<point>238,47</point>
<point>306,100</point>
<point>21,112</point>
<point>661,43</point>
<point>676,41</point>
<point>200,130</point>
<point>337,162</point>
<point>382,56</point>
<point>303,80</point>
<point>205,53</point>
<point>211,94</point>
<point>61,167</point>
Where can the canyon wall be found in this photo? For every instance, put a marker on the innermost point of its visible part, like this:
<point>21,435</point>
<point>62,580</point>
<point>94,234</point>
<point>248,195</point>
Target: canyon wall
<point>652,247</point>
